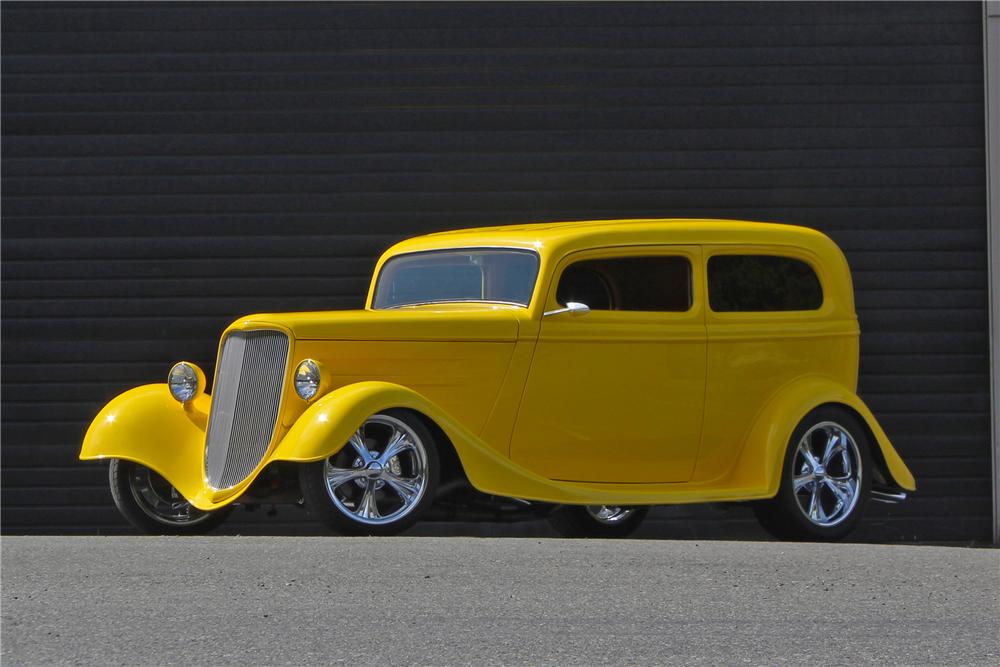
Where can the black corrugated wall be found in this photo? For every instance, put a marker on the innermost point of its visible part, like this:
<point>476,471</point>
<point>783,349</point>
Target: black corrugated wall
<point>167,168</point>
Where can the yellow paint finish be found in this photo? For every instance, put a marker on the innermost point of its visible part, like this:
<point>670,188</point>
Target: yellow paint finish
<point>743,375</point>
<point>456,354</point>
<point>500,424</point>
<point>611,398</point>
<point>752,356</point>
<point>337,415</point>
<point>462,378</point>
<point>759,463</point>
<point>146,425</point>
<point>616,396</point>
<point>438,322</point>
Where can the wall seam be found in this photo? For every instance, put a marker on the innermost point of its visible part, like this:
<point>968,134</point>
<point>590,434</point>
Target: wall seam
<point>991,52</point>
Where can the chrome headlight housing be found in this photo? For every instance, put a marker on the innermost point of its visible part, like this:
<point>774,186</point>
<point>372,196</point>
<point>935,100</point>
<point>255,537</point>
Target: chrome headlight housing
<point>307,379</point>
<point>186,381</point>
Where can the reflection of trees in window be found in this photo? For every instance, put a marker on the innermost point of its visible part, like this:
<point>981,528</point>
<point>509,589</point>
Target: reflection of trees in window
<point>757,283</point>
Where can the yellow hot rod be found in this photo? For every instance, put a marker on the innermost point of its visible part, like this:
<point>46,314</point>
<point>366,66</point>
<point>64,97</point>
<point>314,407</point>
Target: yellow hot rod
<point>584,371</point>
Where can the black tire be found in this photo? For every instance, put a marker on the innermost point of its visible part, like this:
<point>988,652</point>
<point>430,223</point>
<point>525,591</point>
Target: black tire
<point>342,505</point>
<point>789,515</point>
<point>141,495</point>
<point>580,522</point>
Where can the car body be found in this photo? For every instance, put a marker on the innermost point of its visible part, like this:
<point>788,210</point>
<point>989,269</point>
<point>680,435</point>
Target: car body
<point>663,390</point>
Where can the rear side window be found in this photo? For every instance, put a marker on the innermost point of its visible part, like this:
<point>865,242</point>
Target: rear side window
<point>755,283</point>
<point>657,283</point>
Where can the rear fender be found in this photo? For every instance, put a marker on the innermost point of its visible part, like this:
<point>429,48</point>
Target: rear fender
<point>763,454</point>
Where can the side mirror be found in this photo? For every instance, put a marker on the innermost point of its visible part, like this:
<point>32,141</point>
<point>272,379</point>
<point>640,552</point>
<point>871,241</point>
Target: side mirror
<point>574,307</point>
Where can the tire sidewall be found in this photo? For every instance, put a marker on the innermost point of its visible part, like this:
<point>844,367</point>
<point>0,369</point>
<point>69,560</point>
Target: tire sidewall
<point>119,474</point>
<point>319,504</point>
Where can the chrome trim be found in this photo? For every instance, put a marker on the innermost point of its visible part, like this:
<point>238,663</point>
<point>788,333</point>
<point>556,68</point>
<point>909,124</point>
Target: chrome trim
<point>381,476</point>
<point>314,368</point>
<point>890,497</point>
<point>609,514</point>
<point>184,367</point>
<point>249,384</point>
<point>434,303</point>
<point>826,499</point>
<point>574,307</point>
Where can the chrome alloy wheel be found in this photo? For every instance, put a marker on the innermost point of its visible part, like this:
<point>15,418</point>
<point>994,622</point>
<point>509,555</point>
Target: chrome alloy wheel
<point>381,477</point>
<point>827,474</point>
<point>609,514</point>
<point>160,501</point>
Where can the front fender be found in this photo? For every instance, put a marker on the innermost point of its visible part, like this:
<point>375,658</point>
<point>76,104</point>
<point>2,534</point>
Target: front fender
<point>328,424</point>
<point>146,425</point>
<point>764,451</point>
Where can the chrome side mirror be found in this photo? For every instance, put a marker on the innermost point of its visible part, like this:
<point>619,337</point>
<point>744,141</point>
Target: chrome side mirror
<point>574,307</point>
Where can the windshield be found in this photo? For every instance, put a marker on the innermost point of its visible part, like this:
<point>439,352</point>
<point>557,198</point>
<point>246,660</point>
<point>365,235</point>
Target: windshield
<point>436,276</point>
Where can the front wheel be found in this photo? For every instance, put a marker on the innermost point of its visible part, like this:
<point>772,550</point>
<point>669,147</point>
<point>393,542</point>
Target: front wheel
<point>825,481</point>
<point>380,482</point>
<point>152,505</point>
<point>607,521</point>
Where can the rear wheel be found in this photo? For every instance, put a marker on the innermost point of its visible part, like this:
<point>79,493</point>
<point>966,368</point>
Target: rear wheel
<point>152,505</point>
<point>608,521</point>
<point>825,480</point>
<point>380,482</point>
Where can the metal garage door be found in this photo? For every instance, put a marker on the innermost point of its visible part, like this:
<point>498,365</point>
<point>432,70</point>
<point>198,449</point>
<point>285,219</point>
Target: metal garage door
<point>169,167</point>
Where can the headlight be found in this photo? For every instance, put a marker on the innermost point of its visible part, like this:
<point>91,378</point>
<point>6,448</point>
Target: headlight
<point>307,379</point>
<point>186,381</point>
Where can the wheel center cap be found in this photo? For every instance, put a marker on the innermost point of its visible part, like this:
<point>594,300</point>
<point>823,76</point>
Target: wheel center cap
<point>819,471</point>
<point>374,469</point>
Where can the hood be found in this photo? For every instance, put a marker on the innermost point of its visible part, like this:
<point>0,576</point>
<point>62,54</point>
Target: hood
<point>441,322</point>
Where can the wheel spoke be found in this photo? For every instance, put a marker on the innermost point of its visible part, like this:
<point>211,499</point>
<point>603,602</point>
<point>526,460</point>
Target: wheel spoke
<point>834,444</point>
<point>846,486</point>
<point>397,444</point>
<point>408,489</point>
<point>163,501</point>
<point>815,506</point>
<point>368,507</point>
<point>335,477</point>
<point>843,496</point>
<point>801,482</point>
<point>358,442</point>
<point>808,456</point>
<point>845,460</point>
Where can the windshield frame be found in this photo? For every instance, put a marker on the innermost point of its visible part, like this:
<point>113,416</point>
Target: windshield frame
<point>457,249</point>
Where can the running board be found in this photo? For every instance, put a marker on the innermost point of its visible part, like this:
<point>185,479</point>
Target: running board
<point>891,497</point>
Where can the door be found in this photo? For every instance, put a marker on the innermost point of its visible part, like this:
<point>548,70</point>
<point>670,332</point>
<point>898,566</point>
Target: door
<point>616,394</point>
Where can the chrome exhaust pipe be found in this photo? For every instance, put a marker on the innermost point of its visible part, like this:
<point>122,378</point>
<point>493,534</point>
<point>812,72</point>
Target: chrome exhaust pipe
<point>891,497</point>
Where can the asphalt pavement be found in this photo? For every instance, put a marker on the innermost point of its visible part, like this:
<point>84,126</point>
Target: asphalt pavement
<point>455,601</point>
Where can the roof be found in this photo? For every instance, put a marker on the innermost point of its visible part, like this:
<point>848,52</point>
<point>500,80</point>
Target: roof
<point>555,237</point>
<point>554,240</point>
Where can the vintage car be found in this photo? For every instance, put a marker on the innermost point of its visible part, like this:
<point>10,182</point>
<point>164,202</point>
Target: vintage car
<point>581,371</point>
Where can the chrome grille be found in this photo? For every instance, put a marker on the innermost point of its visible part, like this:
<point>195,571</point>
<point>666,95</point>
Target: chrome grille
<point>245,400</point>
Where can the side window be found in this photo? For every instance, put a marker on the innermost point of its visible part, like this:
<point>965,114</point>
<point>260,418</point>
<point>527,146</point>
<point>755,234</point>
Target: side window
<point>755,283</point>
<point>654,283</point>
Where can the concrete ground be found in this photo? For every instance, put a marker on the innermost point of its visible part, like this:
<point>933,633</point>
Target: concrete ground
<point>451,601</point>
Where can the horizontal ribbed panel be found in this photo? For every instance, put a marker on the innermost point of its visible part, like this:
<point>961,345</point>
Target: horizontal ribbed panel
<point>245,402</point>
<point>169,167</point>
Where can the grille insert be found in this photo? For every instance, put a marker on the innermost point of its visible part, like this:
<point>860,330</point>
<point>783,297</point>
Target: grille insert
<point>245,401</point>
